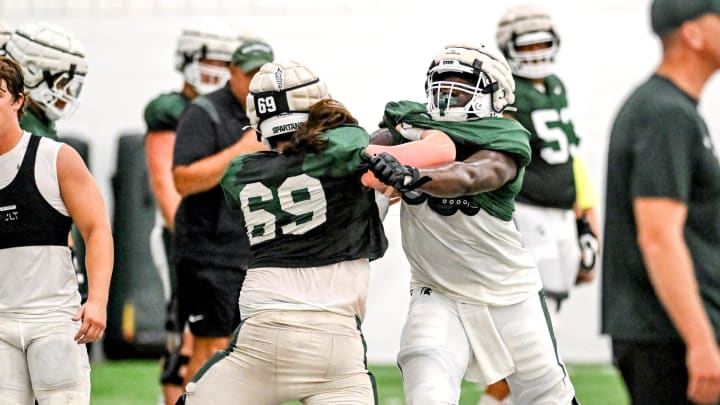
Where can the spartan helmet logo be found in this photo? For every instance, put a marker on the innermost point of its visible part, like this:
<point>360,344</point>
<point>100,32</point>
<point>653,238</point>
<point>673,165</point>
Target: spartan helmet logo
<point>279,78</point>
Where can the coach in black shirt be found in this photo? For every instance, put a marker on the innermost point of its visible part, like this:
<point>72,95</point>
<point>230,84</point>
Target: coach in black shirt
<point>210,244</point>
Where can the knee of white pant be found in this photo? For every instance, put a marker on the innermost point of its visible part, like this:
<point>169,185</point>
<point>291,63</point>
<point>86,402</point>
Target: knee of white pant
<point>429,377</point>
<point>64,398</point>
<point>59,365</point>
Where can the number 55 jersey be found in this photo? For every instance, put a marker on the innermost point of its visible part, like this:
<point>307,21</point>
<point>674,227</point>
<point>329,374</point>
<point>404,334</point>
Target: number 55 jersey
<point>307,209</point>
<point>549,180</point>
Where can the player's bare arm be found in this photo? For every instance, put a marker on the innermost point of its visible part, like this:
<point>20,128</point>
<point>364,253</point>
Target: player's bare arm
<point>205,173</point>
<point>485,170</point>
<point>159,152</point>
<point>87,209</point>
<point>431,148</point>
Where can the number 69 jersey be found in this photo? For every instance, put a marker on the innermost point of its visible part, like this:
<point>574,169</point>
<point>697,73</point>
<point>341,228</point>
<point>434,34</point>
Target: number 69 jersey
<point>549,180</point>
<point>307,210</point>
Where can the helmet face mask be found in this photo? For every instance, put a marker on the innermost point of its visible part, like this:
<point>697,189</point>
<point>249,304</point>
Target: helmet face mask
<point>205,75</point>
<point>459,96</point>
<point>58,94</point>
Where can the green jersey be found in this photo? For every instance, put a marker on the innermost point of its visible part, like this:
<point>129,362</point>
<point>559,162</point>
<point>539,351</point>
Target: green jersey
<point>549,180</point>
<point>307,210</point>
<point>659,148</point>
<point>499,134</point>
<point>38,125</point>
<point>163,112</point>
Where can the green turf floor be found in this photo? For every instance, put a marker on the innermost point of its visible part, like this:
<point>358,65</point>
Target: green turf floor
<point>134,382</point>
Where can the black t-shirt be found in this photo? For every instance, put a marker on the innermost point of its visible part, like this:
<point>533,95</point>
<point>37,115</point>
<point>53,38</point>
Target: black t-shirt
<point>206,231</point>
<point>659,147</point>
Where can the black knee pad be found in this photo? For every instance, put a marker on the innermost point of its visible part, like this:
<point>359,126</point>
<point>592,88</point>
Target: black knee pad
<point>171,368</point>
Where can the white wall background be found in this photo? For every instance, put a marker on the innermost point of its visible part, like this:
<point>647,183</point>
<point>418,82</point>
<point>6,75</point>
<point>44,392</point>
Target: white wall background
<point>368,52</point>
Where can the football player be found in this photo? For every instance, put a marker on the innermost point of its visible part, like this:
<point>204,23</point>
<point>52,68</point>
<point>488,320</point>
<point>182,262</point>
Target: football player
<point>54,70</point>
<point>477,310</point>
<point>44,188</point>
<point>54,66</point>
<point>557,222</point>
<point>313,228</point>
<point>545,210</point>
<point>202,56</point>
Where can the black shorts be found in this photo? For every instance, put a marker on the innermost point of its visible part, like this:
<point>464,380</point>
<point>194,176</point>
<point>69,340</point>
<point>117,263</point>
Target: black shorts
<point>208,298</point>
<point>654,372</point>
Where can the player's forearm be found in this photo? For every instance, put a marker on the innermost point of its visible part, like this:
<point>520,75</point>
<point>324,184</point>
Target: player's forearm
<point>166,196</point>
<point>99,262</point>
<point>201,175</point>
<point>471,177</point>
<point>434,148</point>
<point>591,215</point>
<point>159,151</point>
<point>204,174</point>
<point>671,273</point>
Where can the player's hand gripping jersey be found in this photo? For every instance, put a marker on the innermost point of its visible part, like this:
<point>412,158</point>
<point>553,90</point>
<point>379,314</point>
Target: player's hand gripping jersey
<point>498,134</point>
<point>295,209</point>
<point>490,264</point>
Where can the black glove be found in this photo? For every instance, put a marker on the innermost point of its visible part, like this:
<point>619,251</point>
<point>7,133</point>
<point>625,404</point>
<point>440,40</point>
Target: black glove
<point>393,173</point>
<point>589,248</point>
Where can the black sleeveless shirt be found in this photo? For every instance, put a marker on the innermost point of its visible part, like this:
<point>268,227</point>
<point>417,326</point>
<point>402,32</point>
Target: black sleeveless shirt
<point>26,218</point>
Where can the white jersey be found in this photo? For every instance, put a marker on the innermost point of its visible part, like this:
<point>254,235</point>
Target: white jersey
<point>470,258</point>
<point>339,288</point>
<point>37,282</point>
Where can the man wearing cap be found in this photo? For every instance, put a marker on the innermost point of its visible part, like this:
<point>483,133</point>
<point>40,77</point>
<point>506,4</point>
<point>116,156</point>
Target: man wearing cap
<point>661,265</point>
<point>210,243</point>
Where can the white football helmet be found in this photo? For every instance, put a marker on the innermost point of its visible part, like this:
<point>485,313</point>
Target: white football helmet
<point>54,66</point>
<point>281,95</point>
<point>5,33</point>
<point>482,86</point>
<point>526,25</point>
<point>194,45</point>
